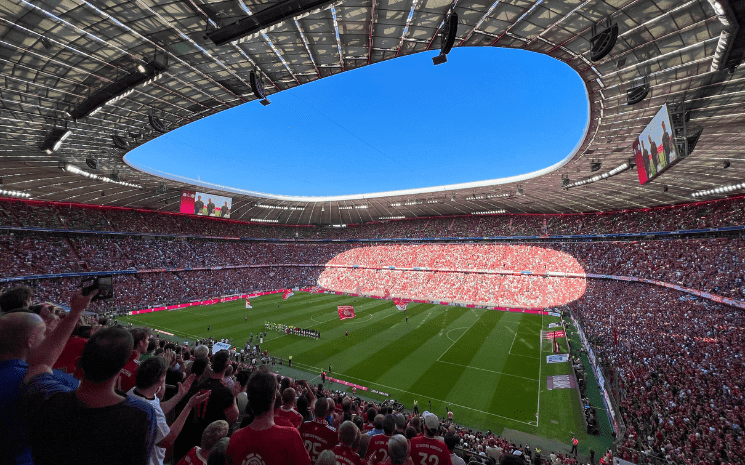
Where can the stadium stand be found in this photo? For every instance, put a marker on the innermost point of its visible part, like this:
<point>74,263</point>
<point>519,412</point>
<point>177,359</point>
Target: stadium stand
<point>676,366</point>
<point>713,214</point>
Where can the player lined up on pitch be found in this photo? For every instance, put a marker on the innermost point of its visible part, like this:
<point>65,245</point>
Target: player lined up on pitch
<point>294,330</point>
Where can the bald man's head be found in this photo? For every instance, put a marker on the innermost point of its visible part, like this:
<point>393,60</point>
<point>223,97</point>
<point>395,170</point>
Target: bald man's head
<point>20,333</point>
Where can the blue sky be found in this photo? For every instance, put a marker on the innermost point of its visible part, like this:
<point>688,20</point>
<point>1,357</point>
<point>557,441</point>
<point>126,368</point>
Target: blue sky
<point>487,113</point>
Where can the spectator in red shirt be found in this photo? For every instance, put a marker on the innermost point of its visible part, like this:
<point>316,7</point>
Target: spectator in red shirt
<point>287,409</point>
<point>426,446</point>
<point>345,455</point>
<point>263,441</point>
<point>128,376</point>
<point>198,455</point>
<point>378,450</point>
<point>317,434</point>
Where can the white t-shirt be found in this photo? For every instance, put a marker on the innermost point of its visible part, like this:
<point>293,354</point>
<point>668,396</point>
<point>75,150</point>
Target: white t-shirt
<point>457,460</point>
<point>158,454</point>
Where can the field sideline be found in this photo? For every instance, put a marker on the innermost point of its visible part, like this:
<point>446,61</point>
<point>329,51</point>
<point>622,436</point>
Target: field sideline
<point>487,366</point>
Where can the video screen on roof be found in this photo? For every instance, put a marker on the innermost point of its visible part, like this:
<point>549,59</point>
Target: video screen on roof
<point>655,150</point>
<point>203,204</point>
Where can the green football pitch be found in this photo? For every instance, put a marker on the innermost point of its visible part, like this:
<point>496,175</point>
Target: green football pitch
<point>488,367</point>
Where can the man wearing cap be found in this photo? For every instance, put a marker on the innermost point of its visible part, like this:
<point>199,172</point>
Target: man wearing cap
<point>425,446</point>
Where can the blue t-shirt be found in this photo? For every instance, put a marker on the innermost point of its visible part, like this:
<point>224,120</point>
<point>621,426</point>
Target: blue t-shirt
<point>13,431</point>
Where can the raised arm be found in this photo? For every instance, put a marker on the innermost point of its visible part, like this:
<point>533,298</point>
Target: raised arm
<point>46,354</point>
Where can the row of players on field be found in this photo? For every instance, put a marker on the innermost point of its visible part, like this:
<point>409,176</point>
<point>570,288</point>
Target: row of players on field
<point>281,328</point>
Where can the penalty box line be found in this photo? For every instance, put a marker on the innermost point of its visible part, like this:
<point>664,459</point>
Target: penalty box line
<point>529,423</point>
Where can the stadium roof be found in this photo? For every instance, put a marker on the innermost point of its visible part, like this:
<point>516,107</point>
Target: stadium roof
<point>118,74</point>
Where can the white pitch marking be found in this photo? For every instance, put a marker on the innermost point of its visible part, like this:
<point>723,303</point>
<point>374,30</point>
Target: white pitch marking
<point>490,371</point>
<point>447,335</point>
<point>451,345</point>
<point>529,423</point>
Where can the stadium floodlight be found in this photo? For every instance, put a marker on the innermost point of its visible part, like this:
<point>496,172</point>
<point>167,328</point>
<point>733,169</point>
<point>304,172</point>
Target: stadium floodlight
<point>264,19</point>
<point>75,170</point>
<point>122,87</point>
<point>719,190</point>
<point>17,194</point>
<point>490,212</point>
<point>54,140</point>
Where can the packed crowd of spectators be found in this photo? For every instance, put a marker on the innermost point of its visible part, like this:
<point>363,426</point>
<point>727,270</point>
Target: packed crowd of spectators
<point>677,364</point>
<point>460,256</point>
<point>479,289</point>
<point>123,396</point>
<point>474,287</point>
<point>721,213</point>
<point>147,290</point>
<point>710,265</point>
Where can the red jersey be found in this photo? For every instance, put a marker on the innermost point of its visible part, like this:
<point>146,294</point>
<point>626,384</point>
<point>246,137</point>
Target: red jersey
<point>278,445</point>
<point>346,456</point>
<point>295,418</point>
<point>191,458</point>
<point>68,359</point>
<point>318,436</point>
<point>282,421</point>
<point>128,375</point>
<point>423,449</point>
<point>379,442</point>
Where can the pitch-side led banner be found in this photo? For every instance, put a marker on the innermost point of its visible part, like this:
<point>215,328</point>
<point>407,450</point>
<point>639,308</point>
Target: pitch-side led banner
<point>203,204</point>
<point>345,311</point>
<point>207,302</point>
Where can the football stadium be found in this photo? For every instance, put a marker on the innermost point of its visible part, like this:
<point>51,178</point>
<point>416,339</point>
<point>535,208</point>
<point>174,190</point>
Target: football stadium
<point>591,311</point>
